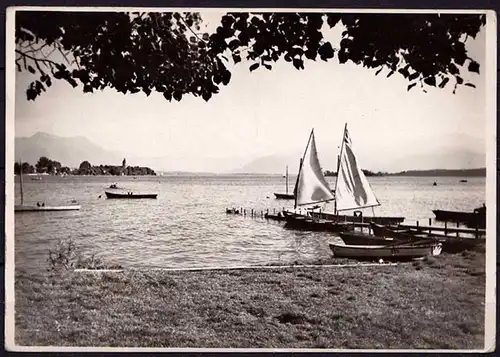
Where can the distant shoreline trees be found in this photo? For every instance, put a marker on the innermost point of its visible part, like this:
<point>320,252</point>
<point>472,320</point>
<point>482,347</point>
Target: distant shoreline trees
<point>367,173</point>
<point>48,166</point>
<point>479,172</point>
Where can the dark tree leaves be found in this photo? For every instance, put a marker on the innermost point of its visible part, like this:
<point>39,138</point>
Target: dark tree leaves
<point>326,51</point>
<point>140,52</point>
<point>146,52</point>
<point>431,81</point>
<point>414,45</point>
<point>443,82</point>
<point>254,66</point>
<point>411,86</point>
<point>474,67</point>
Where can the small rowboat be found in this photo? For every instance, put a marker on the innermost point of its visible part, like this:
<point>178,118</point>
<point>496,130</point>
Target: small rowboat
<point>301,222</point>
<point>450,244</point>
<point>26,208</point>
<point>284,196</point>
<point>129,195</point>
<point>395,251</point>
<point>355,238</point>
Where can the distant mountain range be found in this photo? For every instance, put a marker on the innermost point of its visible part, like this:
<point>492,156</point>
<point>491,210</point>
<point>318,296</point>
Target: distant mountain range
<point>447,158</point>
<point>71,151</point>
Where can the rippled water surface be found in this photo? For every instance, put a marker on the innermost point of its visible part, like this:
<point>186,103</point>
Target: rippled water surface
<point>187,225</point>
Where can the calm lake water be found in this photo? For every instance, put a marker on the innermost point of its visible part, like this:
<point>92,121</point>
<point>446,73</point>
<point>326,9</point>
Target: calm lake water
<point>187,225</point>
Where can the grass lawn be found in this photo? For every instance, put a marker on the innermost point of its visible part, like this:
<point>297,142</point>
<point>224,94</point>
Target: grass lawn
<point>436,303</point>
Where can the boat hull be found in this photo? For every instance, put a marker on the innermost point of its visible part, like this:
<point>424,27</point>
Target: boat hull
<point>46,208</point>
<point>365,239</point>
<point>389,221</point>
<point>309,224</point>
<point>284,196</point>
<point>470,219</point>
<point>388,252</point>
<point>382,231</point>
<point>116,195</point>
<point>450,244</point>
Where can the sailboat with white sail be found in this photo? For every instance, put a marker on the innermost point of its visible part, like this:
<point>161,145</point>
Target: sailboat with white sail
<point>352,190</point>
<point>39,207</point>
<point>311,190</point>
<point>285,196</point>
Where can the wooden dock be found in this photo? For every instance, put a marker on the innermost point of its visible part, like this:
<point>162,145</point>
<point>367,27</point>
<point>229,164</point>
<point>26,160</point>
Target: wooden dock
<point>446,231</point>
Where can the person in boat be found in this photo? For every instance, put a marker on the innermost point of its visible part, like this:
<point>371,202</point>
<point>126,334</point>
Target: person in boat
<point>43,204</point>
<point>38,204</point>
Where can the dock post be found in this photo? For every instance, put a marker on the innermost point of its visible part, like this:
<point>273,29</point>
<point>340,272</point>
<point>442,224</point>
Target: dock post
<point>244,212</point>
<point>477,231</point>
<point>430,225</point>
<point>445,228</point>
<point>251,213</point>
<point>458,224</point>
<point>274,210</point>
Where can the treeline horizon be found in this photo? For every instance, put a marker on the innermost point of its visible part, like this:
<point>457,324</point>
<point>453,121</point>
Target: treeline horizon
<point>478,172</point>
<point>52,167</point>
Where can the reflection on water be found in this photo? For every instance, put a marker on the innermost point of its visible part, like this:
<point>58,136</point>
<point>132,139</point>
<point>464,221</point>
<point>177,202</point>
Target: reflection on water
<point>187,225</point>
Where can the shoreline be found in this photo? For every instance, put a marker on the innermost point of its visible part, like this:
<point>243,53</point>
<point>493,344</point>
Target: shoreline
<point>420,304</point>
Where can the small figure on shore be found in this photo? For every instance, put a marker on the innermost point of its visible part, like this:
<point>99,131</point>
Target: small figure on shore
<point>434,184</point>
<point>43,204</point>
<point>38,204</point>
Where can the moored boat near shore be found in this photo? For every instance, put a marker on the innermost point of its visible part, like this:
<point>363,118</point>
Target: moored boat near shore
<point>40,207</point>
<point>129,195</point>
<point>285,196</point>
<point>393,252</point>
<point>450,244</point>
<point>353,191</point>
<point>313,224</point>
<point>357,238</point>
<point>474,219</point>
<point>385,220</point>
<point>33,208</point>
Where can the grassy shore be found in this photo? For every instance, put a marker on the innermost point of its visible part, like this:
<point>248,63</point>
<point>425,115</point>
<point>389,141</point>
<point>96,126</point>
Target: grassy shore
<point>436,303</point>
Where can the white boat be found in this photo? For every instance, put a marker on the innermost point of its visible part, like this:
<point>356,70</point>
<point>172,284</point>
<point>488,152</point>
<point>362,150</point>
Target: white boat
<point>40,207</point>
<point>311,189</point>
<point>352,190</point>
<point>384,251</point>
<point>285,196</point>
<point>34,208</point>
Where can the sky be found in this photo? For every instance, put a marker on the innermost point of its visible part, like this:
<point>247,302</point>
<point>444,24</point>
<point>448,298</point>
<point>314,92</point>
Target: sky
<point>266,112</point>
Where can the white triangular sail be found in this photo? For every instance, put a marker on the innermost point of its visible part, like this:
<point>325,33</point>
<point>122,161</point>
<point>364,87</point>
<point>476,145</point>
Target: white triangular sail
<point>311,186</point>
<point>352,190</point>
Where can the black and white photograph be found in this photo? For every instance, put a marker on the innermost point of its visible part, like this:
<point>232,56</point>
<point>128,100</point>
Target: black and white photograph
<point>211,179</point>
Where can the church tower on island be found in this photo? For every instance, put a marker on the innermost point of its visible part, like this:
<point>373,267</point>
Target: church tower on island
<point>124,167</point>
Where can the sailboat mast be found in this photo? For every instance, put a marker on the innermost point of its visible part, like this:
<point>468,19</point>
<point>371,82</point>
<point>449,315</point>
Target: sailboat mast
<point>296,184</point>
<point>287,179</point>
<point>21,181</point>
<point>300,167</point>
<point>338,166</point>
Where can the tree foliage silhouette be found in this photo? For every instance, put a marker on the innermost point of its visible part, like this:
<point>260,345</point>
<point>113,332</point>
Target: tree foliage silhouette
<point>163,52</point>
